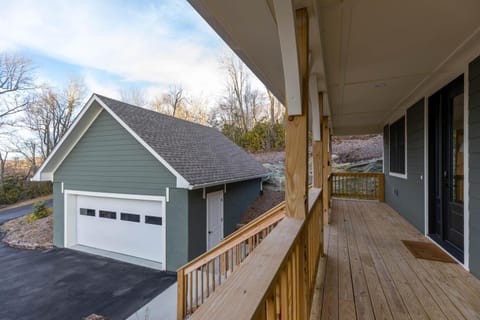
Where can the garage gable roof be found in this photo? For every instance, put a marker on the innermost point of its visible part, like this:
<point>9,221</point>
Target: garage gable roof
<point>197,155</point>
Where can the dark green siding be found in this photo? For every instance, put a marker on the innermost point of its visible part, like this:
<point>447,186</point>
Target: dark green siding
<point>474,165</point>
<point>177,230</point>
<point>237,200</point>
<point>407,196</point>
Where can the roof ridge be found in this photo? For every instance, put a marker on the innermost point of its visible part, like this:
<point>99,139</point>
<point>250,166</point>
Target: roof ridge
<point>153,111</point>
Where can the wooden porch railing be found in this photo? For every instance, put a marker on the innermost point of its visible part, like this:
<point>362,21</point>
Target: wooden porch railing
<point>358,185</point>
<point>277,280</point>
<point>198,279</point>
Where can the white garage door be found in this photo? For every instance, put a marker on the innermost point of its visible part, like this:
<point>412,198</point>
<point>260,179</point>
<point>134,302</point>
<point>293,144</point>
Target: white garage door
<point>131,227</point>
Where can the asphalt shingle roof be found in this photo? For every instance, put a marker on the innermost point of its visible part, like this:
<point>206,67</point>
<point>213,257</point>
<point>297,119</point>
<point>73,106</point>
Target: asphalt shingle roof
<point>202,155</point>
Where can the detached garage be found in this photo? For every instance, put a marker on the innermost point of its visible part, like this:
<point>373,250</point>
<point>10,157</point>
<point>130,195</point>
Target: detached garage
<point>138,185</point>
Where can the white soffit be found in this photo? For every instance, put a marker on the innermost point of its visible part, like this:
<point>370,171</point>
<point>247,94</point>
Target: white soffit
<point>377,54</point>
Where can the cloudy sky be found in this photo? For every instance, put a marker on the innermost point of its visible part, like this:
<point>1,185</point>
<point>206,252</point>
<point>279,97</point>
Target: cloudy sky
<point>114,44</point>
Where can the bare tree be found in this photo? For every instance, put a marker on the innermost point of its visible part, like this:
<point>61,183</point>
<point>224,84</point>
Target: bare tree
<point>276,109</point>
<point>236,85</point>
<point>3,163</point>
<point>16,84</point>
<point>242,103</point>
<point>135,96</point>
<point>52,113</point>
<point>28,149</point>
<point>174,98</point>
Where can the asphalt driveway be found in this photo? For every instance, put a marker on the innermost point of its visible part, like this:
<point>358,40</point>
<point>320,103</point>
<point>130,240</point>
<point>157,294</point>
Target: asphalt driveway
<point>9,214</point>
<point>66,284</point>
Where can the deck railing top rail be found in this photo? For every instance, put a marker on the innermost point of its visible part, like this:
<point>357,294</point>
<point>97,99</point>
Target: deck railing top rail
<point>278,278</point>
<point>199,278</point>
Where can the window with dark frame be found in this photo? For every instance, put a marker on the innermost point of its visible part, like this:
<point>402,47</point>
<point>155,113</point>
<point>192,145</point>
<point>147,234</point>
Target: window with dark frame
<point>87,212</point>
<point>397,146</point>
<point>132,217</point>
<point>153,220</point>
<point>107,214</point>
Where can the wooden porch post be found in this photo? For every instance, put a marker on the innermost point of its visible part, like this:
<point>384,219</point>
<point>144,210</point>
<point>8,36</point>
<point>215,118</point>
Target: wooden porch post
<point>296,152</point>
<point>317,163</point>
<point>325,168</point>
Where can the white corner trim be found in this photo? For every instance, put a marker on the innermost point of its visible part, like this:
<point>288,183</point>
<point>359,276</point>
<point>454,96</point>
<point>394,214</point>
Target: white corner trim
<point>181,181</point>
<point>285,17</point>
<point>62,187</point>
<point>38,174</point>
<point>167,194</point>
<point>466,173</point>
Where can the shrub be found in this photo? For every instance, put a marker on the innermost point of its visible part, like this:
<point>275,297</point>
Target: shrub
<point>264,136</point>
<point>39,211</point>
<point>17,188</point>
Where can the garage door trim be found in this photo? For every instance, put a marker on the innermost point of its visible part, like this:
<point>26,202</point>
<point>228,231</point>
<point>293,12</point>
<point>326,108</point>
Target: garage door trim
<point>70,216</point>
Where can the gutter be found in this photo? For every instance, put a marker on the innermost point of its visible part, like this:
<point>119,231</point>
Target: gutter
<point>216,183</point>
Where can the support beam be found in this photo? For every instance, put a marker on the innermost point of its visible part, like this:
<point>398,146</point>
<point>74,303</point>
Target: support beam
<point>325,168</point>
<point>317,159</point>
<point>296,149</point>
<point>316,102</point>
<point>288,34</point>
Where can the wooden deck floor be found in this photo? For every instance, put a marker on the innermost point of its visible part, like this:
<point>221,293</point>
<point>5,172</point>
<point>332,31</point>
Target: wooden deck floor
<point>370,274</point>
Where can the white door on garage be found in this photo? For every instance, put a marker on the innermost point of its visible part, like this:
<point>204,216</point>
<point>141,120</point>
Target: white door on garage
<point>126,226</point>
<point>214,218</point>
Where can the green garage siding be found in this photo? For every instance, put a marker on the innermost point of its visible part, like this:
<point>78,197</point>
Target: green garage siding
<point>237,200</point>
<point>108,159</point>
<point>407,196</point>
<point>474,165</point>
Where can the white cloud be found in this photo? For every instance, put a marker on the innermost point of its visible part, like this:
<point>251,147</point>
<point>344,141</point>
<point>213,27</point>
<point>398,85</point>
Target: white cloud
<point>149,45</point>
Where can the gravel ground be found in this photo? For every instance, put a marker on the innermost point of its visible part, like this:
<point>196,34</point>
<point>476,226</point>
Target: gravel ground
<point>264,202</point>
<point>23,235</point>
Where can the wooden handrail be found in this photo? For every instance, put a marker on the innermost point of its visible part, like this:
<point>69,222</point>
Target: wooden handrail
<point>358,185</point>
<point>199,278</point>
<point>277,280</point>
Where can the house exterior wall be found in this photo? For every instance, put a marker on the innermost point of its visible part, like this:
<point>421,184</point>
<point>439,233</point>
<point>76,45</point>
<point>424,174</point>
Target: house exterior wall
<point>474,165</point>
<point>108,159</point>
<point>237,200</point>
<point>407,196</point>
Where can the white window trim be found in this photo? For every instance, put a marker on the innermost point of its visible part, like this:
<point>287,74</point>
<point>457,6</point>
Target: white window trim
<point>397,174</point>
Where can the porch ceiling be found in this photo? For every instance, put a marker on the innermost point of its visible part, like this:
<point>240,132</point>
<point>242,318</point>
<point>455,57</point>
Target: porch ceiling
<point>374,58</point>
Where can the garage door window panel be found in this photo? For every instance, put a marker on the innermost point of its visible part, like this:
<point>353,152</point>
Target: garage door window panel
<point>87,212</point>
<point>108,214</point>
<point>153,220</point>
<point>131,217</point>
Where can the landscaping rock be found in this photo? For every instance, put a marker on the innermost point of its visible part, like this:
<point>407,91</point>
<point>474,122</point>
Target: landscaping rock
<point>20,234</point>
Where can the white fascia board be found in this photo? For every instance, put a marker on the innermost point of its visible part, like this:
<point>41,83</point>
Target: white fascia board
<point>181,181</point>
<point>40,175</point>
<point>285,17</point>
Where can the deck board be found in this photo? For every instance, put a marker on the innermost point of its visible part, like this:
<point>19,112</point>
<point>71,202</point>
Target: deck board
<point>370,274</point>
